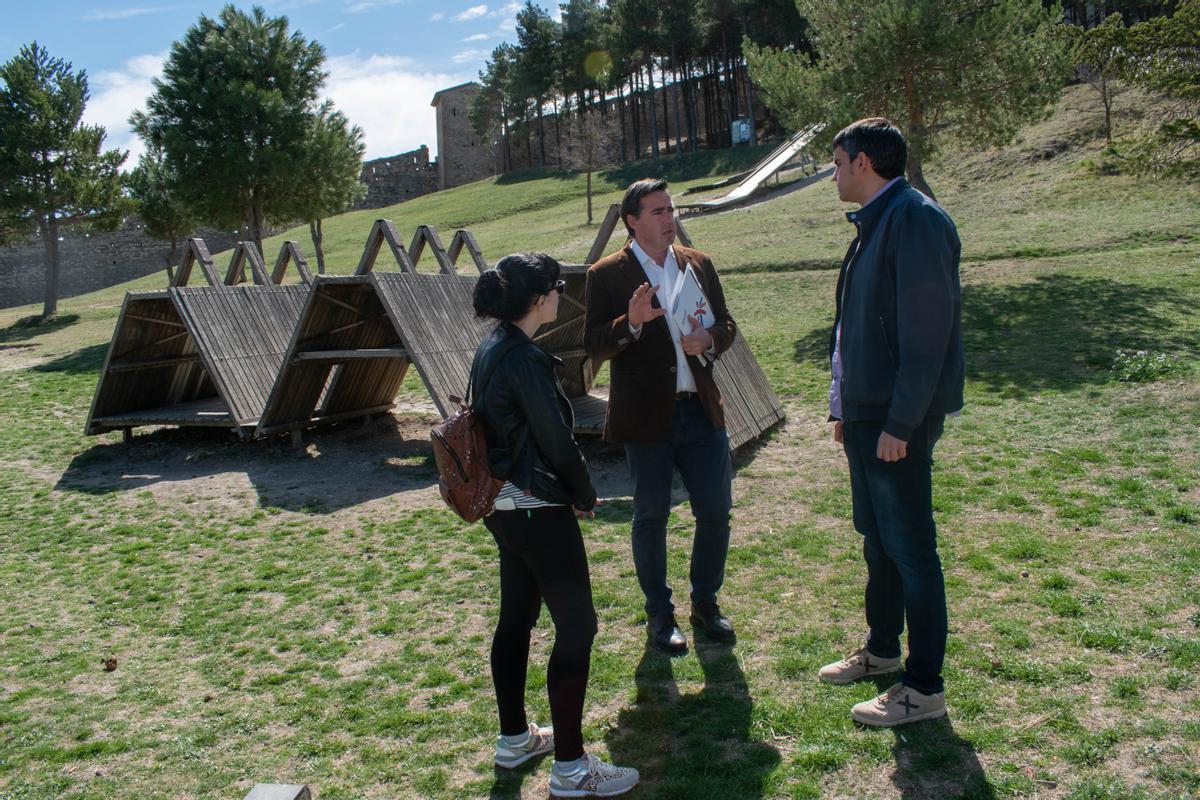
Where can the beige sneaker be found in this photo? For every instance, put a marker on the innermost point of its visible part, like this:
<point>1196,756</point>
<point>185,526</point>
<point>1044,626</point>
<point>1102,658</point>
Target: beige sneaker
<point>899,705</point>
<point>858,663</point>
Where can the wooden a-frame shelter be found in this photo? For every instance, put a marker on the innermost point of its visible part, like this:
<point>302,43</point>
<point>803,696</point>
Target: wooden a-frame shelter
<point>196,355</point>
<point>200,355</point>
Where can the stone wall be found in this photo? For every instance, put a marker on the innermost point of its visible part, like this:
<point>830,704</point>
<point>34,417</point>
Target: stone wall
<point>92,261</point>
<point>462,157</point>
<point>397,178</point>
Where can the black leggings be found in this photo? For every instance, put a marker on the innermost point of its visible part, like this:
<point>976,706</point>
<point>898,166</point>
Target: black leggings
<point>542,557</point>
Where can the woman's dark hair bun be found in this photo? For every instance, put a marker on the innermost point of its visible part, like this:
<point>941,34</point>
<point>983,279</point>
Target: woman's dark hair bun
<point>508,290</point>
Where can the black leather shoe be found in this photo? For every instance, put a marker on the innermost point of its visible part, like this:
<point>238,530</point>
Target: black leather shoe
<point>665,635</point>
<point>708,618</point>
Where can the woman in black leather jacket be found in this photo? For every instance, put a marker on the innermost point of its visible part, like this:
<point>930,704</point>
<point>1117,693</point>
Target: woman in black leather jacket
<point>531,447</point>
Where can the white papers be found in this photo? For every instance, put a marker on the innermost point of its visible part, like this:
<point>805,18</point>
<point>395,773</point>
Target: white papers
<point>689,301</point>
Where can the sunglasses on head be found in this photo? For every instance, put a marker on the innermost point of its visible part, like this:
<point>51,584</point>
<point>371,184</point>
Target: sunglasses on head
<point>559,286</point>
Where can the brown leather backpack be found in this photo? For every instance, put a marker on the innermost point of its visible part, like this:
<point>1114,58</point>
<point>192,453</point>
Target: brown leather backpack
<point>460,449</point>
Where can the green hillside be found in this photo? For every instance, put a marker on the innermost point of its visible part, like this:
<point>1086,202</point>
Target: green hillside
<point>317,617</point>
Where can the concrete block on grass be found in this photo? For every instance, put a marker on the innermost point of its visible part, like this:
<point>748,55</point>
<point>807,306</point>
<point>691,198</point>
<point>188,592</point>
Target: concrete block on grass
<point>279,791</point>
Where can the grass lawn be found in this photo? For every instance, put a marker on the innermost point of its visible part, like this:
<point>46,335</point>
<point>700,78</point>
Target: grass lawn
<point>273,616</point>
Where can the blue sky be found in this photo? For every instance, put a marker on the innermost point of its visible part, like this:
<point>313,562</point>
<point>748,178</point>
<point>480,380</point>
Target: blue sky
<point>386,58</point>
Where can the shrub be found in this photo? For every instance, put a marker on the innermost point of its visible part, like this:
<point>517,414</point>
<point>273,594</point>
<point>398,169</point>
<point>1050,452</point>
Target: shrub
<point>1140,366</point>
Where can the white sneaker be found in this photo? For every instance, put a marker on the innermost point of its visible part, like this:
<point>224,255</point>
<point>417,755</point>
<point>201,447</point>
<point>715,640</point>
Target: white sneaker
<point>858,663</point>
<point>600,780</point>
<point>541,741</point>
<point>899,705</point>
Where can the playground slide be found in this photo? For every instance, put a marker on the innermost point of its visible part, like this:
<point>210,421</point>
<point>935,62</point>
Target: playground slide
<point>763,170</point>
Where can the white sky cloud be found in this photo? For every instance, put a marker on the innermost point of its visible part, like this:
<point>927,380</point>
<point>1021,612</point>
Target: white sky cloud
<point>122,13</point>
<point>118,93</point>
<point>474,12</point>
<point>470,56</point>
<point>477,37</point>
<point>371,5</point>
<point>505,10</point>
<point>388,97</point>
<point>437,16</point>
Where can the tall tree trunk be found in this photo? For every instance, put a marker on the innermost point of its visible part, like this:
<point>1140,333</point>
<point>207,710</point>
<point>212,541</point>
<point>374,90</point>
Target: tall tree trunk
<point>259,225</point>
<point>557,136</point>
<point>507,154</point>
<point>318,240</point>
<point>750,105</point>
<point>662,73</point>
<point>621,119</point>
<point>690,106</point>
<point>541,135</point>
<point>1107,100</point>
<point>634,99</point>
<point>170,259</point>
<point>589,186</point>
<point>916,177</point>
<point>917,137</point>
<point>653,107</point>
<point>678,85</point>
<point>48,228</point>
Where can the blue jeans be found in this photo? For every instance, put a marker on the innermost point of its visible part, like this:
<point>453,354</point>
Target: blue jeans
<point>701,454</point>
<point>893,510</point>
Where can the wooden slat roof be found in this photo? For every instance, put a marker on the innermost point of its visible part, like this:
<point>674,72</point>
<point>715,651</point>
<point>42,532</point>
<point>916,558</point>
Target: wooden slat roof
<point>343,359</point>
<point>202,355</point>
<point>435,318</point>
<point>241,335</point>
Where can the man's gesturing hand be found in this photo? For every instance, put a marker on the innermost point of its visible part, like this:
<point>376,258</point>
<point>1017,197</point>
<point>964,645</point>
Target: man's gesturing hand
<point>890,448</point>
<point>640,309</point>
<point>698,340</point>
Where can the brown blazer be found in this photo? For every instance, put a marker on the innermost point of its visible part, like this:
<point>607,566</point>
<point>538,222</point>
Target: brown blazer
<point>641,399</point>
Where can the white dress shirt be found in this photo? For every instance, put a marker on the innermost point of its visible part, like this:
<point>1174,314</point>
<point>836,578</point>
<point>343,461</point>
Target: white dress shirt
<point>668,278</point>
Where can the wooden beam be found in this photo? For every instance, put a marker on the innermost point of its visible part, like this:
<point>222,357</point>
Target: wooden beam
<point>152,363</point>
<point>464,238</point>
<point>681,232</point>
<point>383,231</point>
<point>342,356</point>
<point>243,253</point>
<point>290,251</point>
<point>427,234</point>
<point>604,234</point>
<point>196,252</point>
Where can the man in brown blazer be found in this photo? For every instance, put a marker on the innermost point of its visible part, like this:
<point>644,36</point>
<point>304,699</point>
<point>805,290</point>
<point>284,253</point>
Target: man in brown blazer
<point>663,405</point>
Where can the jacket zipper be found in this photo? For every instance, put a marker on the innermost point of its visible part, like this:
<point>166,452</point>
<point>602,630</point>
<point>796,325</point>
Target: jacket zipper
<point>888,343</point>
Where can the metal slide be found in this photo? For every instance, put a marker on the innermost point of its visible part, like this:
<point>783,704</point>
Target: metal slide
<point>774,162</point>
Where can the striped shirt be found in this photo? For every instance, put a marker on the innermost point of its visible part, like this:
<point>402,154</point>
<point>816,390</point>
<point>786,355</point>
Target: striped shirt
<point>512,498</point>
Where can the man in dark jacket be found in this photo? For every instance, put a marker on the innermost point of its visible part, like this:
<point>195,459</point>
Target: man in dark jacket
<point>897,358</point>
<point>663,404</point>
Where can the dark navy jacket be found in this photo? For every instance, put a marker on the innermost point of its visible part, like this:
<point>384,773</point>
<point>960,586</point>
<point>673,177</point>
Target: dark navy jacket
<point>900,308</point>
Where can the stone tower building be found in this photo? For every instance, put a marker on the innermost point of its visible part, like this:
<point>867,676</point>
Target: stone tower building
<point>462,157</point>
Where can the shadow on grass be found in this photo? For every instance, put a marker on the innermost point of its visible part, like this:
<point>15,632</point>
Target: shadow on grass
<point>28,327</point>
<point>343,465</point>
<point>506,783</point>
<point>1057,332</point>
<point>1063,331</point>
<point>533,174</point>
<point>791,265</point>
<point>689,166</point>
<point>696,745</point>
<point>89,359</point>
<point>934,761</point>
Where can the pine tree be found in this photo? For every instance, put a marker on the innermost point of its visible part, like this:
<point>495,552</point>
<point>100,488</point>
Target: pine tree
<point>970,70</point>
<point>233,113</point>
<point>53,170</point>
